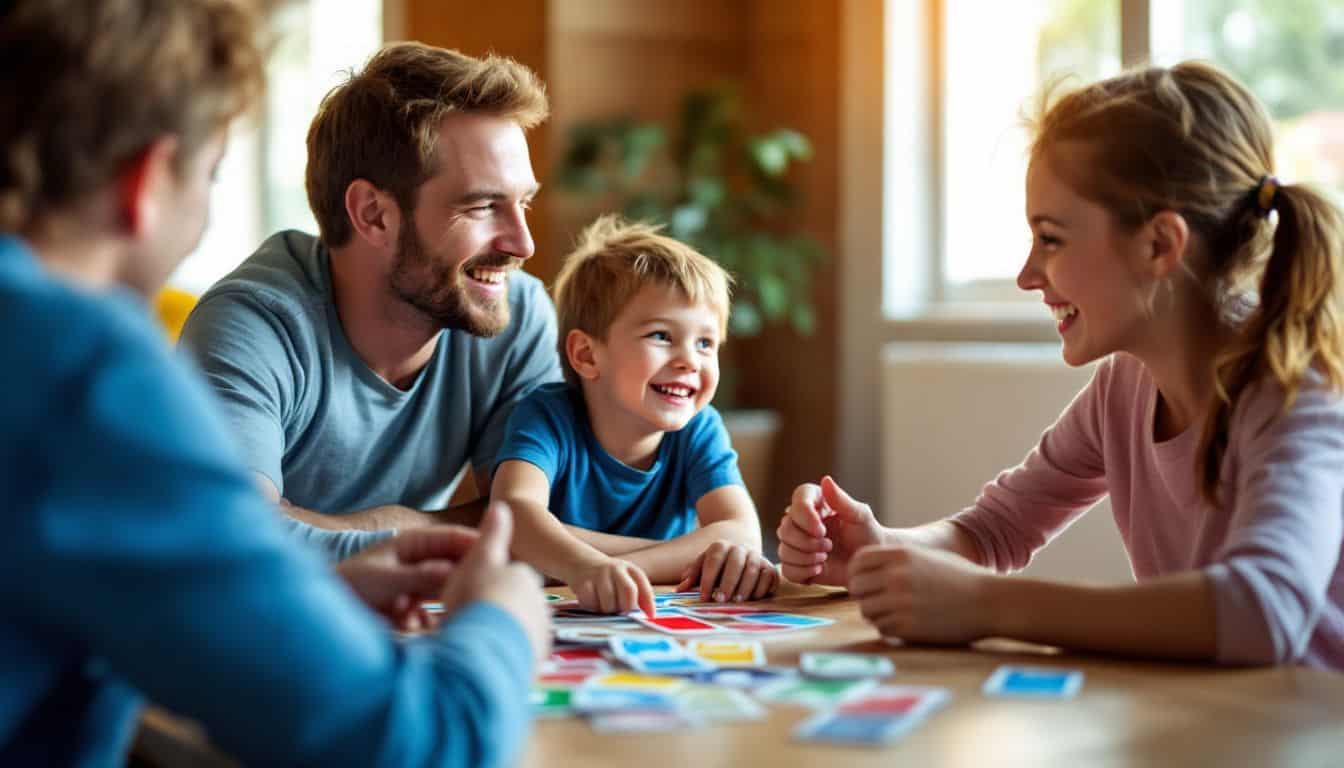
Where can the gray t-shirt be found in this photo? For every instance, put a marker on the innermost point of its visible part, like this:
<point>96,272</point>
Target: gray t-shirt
<point>329,432</point>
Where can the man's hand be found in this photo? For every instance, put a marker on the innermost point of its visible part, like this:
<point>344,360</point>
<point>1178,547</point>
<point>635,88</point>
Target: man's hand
<point>393,576</point>
<point>727,571</point>
<point>485,573</point>
<point>612,585</point>
<point>822,529</point>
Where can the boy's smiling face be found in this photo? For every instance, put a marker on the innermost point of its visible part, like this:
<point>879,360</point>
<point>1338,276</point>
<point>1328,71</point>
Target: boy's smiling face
<point>659,363</point>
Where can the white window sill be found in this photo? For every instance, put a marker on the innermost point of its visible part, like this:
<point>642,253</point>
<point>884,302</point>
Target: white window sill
<point>1019,321</point>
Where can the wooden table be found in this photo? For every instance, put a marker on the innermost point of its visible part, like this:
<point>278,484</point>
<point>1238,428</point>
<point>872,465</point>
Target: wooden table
<point>1128,713</point>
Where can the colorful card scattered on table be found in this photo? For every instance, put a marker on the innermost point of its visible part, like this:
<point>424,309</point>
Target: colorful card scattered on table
<point>1034,682</point>
<point>881,716</point>
<point>845,665</point>
<point>814,694</point>
<point>730,653</point>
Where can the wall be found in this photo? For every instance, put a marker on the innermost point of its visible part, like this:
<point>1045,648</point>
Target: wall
<point>956,414</point>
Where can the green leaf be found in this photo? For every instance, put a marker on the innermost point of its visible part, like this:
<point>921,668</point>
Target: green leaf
<point>774,294</point>
<point>744,320</point>
<point>687,220</point>
<point>706,191</point>
<point>804,318</point>
<point>770,157</point>
<point>638,145</point>
<point>795,143</point>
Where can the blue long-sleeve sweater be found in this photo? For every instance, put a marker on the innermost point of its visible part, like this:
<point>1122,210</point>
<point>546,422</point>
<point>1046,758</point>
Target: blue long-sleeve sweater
<point>139,561</point>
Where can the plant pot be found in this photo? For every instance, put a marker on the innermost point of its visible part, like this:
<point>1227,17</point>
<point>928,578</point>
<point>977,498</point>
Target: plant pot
<point>753,432</point>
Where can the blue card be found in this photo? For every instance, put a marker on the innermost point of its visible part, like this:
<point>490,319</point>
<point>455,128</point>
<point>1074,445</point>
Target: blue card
<point>1034,682</point>
<point>590,698</point>
<point>859,730</point>
<point>746,677</point>
<point>788,620</point>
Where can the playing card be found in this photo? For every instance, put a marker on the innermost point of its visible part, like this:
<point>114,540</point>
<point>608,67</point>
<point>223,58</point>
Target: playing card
<point>678,625</point>
<point>1034,682</point>
<point>586,635</point>
<point>881,716</point>
<point>814,694</point>
<point>669,664</point>
<point>730,653</point>
<point>790,620</point>
<point>551,701</point>
<point>631,680</point>
<point>720,611</point>
<point>591,698</point>
<point>845,665</point>
<point>720,704</point>
<point>748,677</point>
<point>641,722</point>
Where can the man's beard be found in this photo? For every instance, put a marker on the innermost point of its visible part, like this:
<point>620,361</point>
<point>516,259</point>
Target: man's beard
<point>440,294</point>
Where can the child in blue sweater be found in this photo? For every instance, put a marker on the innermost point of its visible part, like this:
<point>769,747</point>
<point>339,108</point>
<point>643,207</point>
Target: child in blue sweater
<point>624,474</point>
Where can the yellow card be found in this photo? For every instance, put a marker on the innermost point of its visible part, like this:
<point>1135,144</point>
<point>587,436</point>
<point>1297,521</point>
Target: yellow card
<point>728,653</point>
<point>637,681</point>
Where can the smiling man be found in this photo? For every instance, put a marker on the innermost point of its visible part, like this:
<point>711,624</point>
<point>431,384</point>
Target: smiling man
<point>363,369</point>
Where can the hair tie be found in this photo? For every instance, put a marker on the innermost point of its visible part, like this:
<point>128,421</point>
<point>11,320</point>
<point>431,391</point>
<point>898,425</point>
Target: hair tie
<point>1266,193</point>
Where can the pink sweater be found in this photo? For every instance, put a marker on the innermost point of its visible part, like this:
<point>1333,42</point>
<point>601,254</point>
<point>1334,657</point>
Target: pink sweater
<point>1273,549</point>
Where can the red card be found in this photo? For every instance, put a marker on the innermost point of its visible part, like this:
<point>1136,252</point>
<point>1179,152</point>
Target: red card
<point>752,626</point>
<point>676,624</point>
<point>577,654</point>
<point>880,704</point>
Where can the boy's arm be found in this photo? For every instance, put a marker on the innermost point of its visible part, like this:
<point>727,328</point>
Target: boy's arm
<point>539,538</point>
<point>600,582</point>
<point>725,513</point>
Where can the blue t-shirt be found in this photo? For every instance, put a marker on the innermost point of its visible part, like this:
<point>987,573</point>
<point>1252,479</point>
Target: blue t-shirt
<point>331,434</point>
<point>590,489</point>
<point>140,560</point>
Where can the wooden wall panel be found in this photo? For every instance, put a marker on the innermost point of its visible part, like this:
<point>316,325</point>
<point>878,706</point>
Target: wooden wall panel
<point>792,76</point>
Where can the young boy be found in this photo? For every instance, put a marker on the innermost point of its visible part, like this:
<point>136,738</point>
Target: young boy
<point>609,472</point>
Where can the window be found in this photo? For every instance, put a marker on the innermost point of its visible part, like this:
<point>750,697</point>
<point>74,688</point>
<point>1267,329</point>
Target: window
<point>996,58</point>
<point>260,187</point>
<point>987,63</point>
<point>1291,55</point>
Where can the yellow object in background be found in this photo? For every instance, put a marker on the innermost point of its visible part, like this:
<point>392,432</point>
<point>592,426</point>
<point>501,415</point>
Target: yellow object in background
<point>172,306</point>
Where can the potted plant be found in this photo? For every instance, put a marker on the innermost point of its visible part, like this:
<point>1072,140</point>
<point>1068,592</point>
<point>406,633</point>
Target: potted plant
<point>727,193</point>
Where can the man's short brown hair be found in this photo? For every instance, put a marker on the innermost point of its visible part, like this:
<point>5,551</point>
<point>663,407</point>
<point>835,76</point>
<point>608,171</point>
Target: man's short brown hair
<point>89,85</point>
<point>613,261</point>
<point>382,124</point>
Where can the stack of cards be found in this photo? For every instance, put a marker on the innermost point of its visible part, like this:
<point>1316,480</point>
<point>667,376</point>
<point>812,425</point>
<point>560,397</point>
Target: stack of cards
<point>1034,682</point>
<point>880,717</point>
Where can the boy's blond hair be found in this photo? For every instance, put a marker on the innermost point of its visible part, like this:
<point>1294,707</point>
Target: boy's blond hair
<point>613,261</point>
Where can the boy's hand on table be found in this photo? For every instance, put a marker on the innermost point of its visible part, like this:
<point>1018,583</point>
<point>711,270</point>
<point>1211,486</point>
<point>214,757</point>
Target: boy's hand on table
<point>485,573</point>
<point>727,571</point>
<point>822,529</point>
<point>611,585</point>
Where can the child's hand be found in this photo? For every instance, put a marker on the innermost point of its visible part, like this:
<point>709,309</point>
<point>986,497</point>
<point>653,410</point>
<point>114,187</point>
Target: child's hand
<point>921,594</point>
<point>612,586</point>
<point>727,571</point>
<point>822,529</point>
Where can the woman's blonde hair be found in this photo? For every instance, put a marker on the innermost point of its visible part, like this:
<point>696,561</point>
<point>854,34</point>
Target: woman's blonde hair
<point>1193,140</point>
